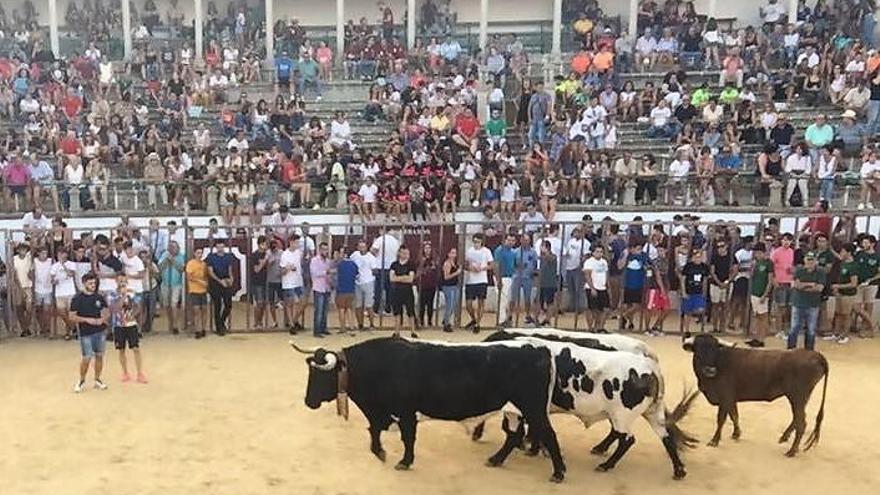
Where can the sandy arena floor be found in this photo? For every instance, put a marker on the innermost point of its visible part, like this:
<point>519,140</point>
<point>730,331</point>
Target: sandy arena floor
<point>226,416</point>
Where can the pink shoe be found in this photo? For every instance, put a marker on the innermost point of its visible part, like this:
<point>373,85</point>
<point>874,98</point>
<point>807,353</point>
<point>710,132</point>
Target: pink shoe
<point>125,378</point>
<point>141,378</point>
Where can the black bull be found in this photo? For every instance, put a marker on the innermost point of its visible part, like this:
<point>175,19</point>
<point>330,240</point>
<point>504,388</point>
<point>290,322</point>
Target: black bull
<point>393,380</point>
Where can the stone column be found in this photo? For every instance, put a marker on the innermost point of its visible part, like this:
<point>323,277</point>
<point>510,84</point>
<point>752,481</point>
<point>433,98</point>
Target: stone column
<point>126,28</point>
<point>199,25</point>
<point>556,46</point>
<point>411,16</point>
<point>340,32</point>
<point>633,19</point>
<point>484,23</point>
<point>270,32</point>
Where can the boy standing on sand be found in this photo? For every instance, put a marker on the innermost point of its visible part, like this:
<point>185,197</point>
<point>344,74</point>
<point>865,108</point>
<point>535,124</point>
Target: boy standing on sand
<point>125,309</point>
<point>89,311</point>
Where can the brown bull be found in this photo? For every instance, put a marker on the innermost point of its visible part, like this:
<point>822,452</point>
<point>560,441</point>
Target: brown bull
<point>727,375</point>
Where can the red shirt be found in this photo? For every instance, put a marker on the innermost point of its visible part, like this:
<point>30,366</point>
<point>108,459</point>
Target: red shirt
<point>467,126</point>
<point>821,224</point>
<point>70,146</point>
<point>71,105</point>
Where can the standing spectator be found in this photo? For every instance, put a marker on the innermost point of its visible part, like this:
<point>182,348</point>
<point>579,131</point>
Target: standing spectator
<point>635,268</point>
<point>538,114</point>
<point>319,269</point>
<point>478,261</point>
<point>548,281</point>
<point>845,292</point>
<point>63,274</point>
<point>220,285</point>
<point>292,284</point>
<point>258,281</point>
<point>504,262</point>
<point>89,311</point>
<point>427,279</point>
<point>595,270</point>
<point>807,285</point>
<point>450,286</point>
<point>23,284</point>
<point>762,283</point>
<point>197,291</point>
<point>826,172</point>
<point>868,262</point>
<point>366,282</point>
<point>525,267</point>
<point>171,266</point>
<point>576,251</point>
<point>693,278</point>
<point>284,67</point>
<point>402,275</point>
<point>869,174</point>
<point>42,280</point>
<point>125,307</point>
<point>657,305</point>
<point>782,258</point>
<point>346,283</point>
<point>385,248</point>
<point>720,265</point>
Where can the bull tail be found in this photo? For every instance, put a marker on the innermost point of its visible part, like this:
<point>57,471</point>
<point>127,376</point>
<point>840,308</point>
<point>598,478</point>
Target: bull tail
<point>680,438</point>
<point>813,439</point>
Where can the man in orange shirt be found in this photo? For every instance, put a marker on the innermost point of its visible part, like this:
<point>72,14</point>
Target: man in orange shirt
<point>197,291</point>
<point>581,62</point>
<point>873,61</point>
<point>604,60</point>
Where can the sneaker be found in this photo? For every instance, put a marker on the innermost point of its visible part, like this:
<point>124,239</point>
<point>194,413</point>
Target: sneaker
<point>142,378</point>
<point>79,387</point>
<point>781,335</point>
<point>829,337</point>
<point>530,320</point>
<point>843,339</point>
<point>126,378</point>
<point>99,385</point>
<point>861,206</point>
<point>476,328</point>
<point>447,328</point>
<point>470,325</point>
<point>870,206</point>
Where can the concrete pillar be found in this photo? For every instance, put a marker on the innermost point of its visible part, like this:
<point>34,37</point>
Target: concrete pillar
<point>713,8</point>
<point>633,19</point>
<point>792,11</point>
<point>556,47</point>
<point>53,28</point>
<point>126,28</point>
<point>484,23</point>
<point>199,23</point>
<point>411,16</point>
<point>270,32</point>
<point>340,31</point>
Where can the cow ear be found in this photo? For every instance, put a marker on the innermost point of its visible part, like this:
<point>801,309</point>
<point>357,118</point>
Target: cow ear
<point>688,344</point>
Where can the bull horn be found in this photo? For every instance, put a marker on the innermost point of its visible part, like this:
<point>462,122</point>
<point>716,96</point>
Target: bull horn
<point>726,343</point>
<point>330,363</point>
<point>308,351</point>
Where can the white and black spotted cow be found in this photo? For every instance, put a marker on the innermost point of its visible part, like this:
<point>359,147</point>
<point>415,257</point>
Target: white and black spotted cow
<point>598,341</point>
<point>596,385</point>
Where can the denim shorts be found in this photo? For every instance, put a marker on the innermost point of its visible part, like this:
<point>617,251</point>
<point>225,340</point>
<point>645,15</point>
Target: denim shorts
<point>364,295</point>
<point>42,299</point>
<point>521,286</point>
<point>92,344</point>
<point>258,293</point>
<point>294,294</point>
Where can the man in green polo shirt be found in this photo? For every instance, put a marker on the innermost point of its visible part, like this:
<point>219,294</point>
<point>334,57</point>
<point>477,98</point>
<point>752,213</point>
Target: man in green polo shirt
<point>825,262</point>
<point>809,282</point>
<point>496,130</point>
<point>868,262</point>
<point>844,290</point>
<point>762,285</point>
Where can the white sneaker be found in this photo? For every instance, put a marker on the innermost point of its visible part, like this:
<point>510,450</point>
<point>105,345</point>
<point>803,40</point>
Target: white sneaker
<point>79,387</point>
<point>607,202</point>
<point>781,335</point>
<point>829,337</point>
<point>870,206</point>
<point>318,98</point>
<point>99,385</point>
<point>843,339</point>
<point>861,206</point>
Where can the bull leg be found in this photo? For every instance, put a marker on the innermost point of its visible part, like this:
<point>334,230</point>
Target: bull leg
<point>734,417</point>
<point>602,447</point>
<point>790,428</point>
<point>720,419</point>
<point>547,436</point>
<point>408,436</point>
<point>800,424</point>
<point>376,443</point>
<point>513,439</point>
<point>625,442</point>
<point>478,431</point>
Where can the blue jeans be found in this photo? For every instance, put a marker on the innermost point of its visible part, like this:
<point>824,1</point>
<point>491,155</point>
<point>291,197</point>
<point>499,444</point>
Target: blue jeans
<point>322,303</point>
<point>826,189</point>
<point>873,116</point>
<point>93,344</point>
<point>799,318</point>
<point>149,307</point>
<point>574,285</point>
<point>302,84</point>
<point>367,68</point>
<point>668,131</point>
<point>521,286</point>
<point>450,302</point>
<point>537,132</point>
<point>382,292</point>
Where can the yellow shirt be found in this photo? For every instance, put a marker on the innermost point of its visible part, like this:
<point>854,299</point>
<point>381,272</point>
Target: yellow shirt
<point>439,123</point>
<point>197,276</point>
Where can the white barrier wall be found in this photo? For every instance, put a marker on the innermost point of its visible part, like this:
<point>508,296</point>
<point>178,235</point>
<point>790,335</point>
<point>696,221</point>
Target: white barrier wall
<point>323,12</point>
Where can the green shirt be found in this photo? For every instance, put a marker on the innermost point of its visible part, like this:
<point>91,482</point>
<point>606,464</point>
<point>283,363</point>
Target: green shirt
<point>761,276</point>
<point>825,260</point>
<point>847,270</point>
<point>496,127</point>
<point>728,95</point>
<point>868,265</point>
<point>700,97</point>
<point>807,299</point>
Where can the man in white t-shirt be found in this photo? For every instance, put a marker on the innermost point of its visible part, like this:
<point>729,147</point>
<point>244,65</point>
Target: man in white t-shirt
<point>772,12</point>
<point>292,284</point>
<point>870,174</point>
<point>35,221</point>
<point>63,275</point>
<point>385,248</point>
<point>280,224</point>
<point>368,192</point>
<point>43,290</point>
<point>478,260</point>
<point>596,285</point>
<point>134,269</point>
<point>662,124</point>
<point>576,250</point>
<point>364,291</point>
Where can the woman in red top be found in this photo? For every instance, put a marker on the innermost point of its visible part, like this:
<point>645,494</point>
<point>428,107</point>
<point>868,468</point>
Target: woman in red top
<point>402,200</point>
<point>466,128</point>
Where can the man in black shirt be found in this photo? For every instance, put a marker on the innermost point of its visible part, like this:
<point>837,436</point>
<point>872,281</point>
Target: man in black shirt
<point>685,112</point>
<point>402,274</point>
<point>694,276</point>
<point>258,282</point>
<point>719,290</point>
<point>220,285</point>
<point>89,311</point>
<point>781,135</point>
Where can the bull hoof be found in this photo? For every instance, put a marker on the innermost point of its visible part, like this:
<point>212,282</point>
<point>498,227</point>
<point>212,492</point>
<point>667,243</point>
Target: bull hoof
<point>713,442</point>
<point>493,462</point>
<point>557,478</point>
<point>783,439</point>
<point>604,468</point>
<point>679,474</point>
<point>791,453</point>
<point>736,434</point>
<point>380,455</point>
<point>478,432</point>
<point>532,452</point>
<point>401,466</point>
<point>598,451</point>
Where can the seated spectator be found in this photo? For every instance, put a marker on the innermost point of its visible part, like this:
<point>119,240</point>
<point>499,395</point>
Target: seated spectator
<point>646,50</point>
<point>870,177</point>
<point>662,124</point>
<point>667,48</point>
<point>851,134</point>
<point>732,69</point>
<point>798,166</point>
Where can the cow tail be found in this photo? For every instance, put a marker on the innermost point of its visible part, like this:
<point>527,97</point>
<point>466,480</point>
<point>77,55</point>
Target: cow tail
<point>680,438</point>
<point>813,439</point>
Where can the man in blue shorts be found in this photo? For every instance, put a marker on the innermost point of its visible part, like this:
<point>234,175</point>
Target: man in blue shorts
<point>525,265</point>
<point>90,313</point>
<point>694,278</point>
